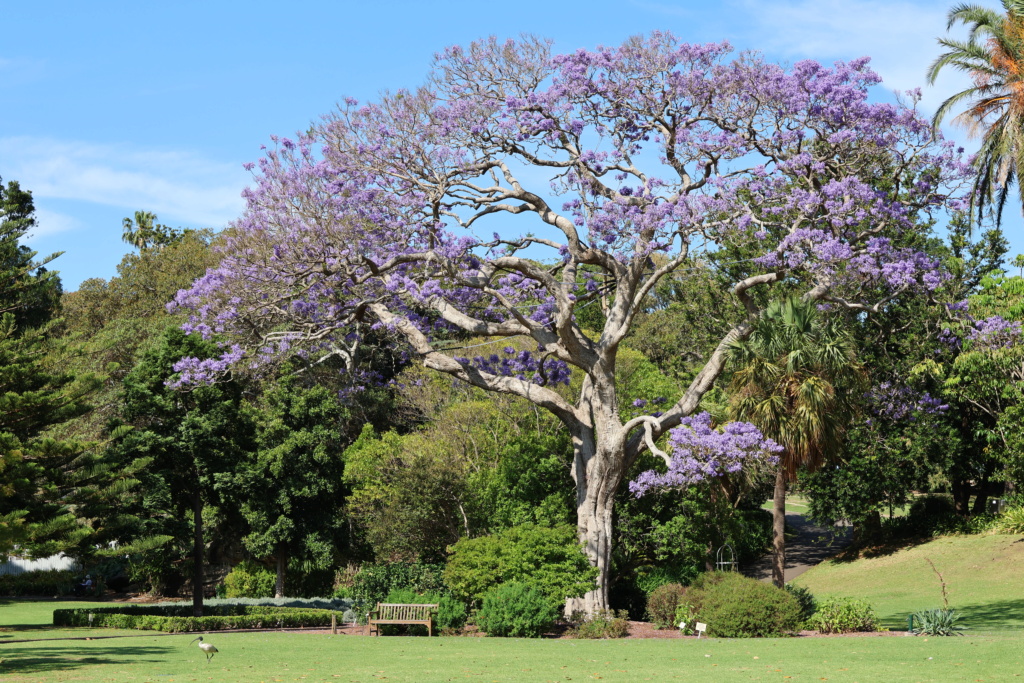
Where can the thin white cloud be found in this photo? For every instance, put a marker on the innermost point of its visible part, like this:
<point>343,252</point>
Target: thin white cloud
<point>179,185</point>
<point>900,37</point>
<point>49,222</point>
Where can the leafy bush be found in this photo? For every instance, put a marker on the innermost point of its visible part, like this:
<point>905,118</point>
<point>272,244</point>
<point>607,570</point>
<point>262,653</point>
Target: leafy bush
<point>451,615</point>
<point>1011,521</point>
<point>917,524</point>
<point>250,580</point>
<point>804,598</point>
<point>178,618</point>
<point>662,604</point>
<point>516,609</point>
<point>735,606</point>
<point>602,624</point>
<point>374,581</point>
<point>844,615</point>
<point>937,622</point>
<point>550,559</point>
<point>38,583</point>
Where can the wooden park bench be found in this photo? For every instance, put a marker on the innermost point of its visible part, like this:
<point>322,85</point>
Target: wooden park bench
<point>395,613</point>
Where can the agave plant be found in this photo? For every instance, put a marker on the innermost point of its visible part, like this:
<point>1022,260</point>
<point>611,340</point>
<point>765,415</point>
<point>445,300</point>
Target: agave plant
<point>937,622</point>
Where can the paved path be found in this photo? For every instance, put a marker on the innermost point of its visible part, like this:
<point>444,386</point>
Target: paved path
<point>812,544</point>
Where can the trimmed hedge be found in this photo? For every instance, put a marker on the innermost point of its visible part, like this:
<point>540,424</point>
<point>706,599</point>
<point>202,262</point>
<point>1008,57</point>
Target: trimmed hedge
<point>178,618</point>
<point>38,582</point>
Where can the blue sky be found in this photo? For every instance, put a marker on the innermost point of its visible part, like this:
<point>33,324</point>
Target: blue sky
<point>107,108</point>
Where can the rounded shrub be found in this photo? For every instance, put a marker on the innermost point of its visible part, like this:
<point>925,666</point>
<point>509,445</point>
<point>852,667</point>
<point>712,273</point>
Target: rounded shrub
<point>516,609</point>
<point>735,606</point>
<point>551,559</point>
<point>662,604</point>
<point>249,580</point>
<point>844,615</point>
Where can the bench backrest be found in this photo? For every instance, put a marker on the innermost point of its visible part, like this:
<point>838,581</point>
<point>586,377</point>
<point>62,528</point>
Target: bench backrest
<point>389,610</point>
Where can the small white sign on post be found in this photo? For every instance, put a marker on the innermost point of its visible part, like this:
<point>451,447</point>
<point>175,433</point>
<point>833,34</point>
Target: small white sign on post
<point>701,628</point>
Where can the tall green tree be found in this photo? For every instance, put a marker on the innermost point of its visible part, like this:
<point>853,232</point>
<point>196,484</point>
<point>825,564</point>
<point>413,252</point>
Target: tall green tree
<point>195,440</point>
<point>46,484</point>
<point>291,491</point>
<point>793,378</point>
<point>993,57</point>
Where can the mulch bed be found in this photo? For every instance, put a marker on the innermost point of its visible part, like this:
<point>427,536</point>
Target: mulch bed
<point>637,630</point>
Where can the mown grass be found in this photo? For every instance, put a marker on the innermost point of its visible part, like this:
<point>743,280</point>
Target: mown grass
<point>311,657</point>
<point>279,657</point>
<point>20,619</point>
<point>983,575</point>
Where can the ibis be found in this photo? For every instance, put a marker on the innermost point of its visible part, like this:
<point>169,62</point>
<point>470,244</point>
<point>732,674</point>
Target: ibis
<point>208,649</point>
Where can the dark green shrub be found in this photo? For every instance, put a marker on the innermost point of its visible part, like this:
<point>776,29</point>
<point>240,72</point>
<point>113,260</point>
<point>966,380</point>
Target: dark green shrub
<point>844,615</point>
<point>602,624</point>
<point>735,606</point>
<point>451,615</point>
<point>662,604</point>
<point>374,581</point>
<point>38,583</point>
<point>804,598</point>
<point>516,609</point>
<point>937,622</point>
<point>249,580</point>
<point>550,559</point>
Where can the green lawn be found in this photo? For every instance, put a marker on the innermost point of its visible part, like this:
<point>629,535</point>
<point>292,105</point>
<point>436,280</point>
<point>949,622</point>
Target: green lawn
<point>311,657</point>
<point>984,576</point>
<point>34,619</point>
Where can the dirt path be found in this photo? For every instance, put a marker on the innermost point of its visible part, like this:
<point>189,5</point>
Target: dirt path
<point>811,545</point>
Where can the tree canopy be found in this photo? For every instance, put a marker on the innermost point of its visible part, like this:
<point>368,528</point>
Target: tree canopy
<point>622,164</point>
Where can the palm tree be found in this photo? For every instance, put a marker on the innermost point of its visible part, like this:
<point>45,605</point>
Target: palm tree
<point>139,233</point>
<point>993,56</point>
<point>796,378</point>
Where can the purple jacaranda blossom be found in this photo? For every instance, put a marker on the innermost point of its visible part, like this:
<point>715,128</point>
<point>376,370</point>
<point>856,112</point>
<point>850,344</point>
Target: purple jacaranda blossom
<point>899,402</point>
<point>994,332</point>
<point>698,452</point>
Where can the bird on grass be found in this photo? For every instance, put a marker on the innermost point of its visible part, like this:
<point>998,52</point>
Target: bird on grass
<point>208,650</point>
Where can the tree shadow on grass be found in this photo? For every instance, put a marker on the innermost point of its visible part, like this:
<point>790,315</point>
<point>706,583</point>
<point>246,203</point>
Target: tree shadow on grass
<point>992,616</point>
<point>36,660</point>
<point>883,549</point>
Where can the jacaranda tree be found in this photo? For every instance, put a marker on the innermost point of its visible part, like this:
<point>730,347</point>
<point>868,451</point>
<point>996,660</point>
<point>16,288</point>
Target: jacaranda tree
<point>616,167</point>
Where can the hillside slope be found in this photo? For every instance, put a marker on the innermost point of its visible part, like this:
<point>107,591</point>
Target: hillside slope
<point>984,578</point>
